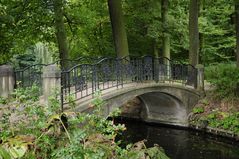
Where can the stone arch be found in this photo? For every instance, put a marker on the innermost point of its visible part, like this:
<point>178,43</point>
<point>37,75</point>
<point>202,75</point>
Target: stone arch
<point>185,98</point>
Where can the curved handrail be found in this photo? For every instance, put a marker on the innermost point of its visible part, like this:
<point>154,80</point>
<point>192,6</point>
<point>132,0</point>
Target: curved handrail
<point>161,57</point>
<point>25,68</point>
<point>99,62</point>
<point>78,59</point>
<point>76,66</point>
<point>58,61</point>
<point>102,59</point>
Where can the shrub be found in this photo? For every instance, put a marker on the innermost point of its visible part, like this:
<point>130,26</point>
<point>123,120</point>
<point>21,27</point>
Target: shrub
<point>3,100</point>
<point>198,110</point>
<point>47,133</point>
<point>225,77</point>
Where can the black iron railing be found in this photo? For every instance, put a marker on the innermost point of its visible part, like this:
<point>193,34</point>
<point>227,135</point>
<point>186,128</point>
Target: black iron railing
<point>69,63</point>
<point>84,80</point>
<point>32,74</point>
<point>84,76</point>
<point>29,75</point>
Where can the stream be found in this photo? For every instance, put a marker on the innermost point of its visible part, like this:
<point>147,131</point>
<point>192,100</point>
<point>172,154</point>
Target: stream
<point>180,143</point>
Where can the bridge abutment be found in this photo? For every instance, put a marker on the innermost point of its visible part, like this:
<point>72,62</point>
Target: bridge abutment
<point>51,81</point>
<point>200,77</point>
<point>6,80</point>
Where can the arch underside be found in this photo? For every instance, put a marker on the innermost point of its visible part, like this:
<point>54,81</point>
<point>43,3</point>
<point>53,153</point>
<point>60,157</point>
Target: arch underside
<point>163,108</point>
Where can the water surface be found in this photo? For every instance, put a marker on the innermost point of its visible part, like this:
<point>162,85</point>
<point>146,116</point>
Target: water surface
<point>179,143</point>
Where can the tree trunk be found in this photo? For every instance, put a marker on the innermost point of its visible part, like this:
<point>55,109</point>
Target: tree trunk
<point>155,46</point>
<point>201,35</point>
<point>201,45</point>
<point>237,31</point>
<point>193,32</point>
<point>61,33</point>
<point>166,38</point>
<point>118,28</point>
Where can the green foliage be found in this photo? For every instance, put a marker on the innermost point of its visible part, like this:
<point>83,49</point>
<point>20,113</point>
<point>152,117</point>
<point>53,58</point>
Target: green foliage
<point>226,79</point>
<point>3,100</point>
<point>27,94</point>
<point>4,154</point>
<point>53,134</point>
<point>89,31</point>
<point>72,103</point>
<point>36,54</point>
<point>23,26</point>
<point>138,150</point>
<point>54,102</point>
<point>217,31</point>
<point>224,121</point>
<point>198,110</point>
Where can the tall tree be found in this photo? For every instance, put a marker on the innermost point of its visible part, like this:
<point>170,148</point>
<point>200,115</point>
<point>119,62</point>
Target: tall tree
<point>61,32</point>
<point>201,35</point>
<point>118,28</point>
<point>237,30</point>
<point>217,28</point>
<point>166,38</point>
<point>156,50</point>
<point>193,32</point>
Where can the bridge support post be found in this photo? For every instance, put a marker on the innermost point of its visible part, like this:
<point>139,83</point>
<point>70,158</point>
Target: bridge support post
<point>6,80</point>
<point>200,77</point>
<point>51,81</point>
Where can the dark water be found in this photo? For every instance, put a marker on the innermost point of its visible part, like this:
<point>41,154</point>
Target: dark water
<point>180,144</point>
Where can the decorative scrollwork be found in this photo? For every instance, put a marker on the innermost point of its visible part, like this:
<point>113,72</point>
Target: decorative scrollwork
<point>35,78</point>
<point>80,83</point>
<point>129,69</point>
<point>105,68</point>
<point>177,71</point>
<point>148,67</point>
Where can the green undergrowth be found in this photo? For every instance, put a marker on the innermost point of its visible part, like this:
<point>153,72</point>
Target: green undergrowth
<point>198,110</point>
<point>220,109</point>
<point>32,131</point>
<point>225,78</point>
<point>221,120</point>
<point>221,114</point>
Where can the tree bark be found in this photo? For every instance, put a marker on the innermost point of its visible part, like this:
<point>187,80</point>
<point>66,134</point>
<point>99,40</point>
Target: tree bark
<point>237,31</point>
<point>166,38</point>
<point>155,46</point>
<point>61,33</point>
<point>201,35</point>
<point>193,32</point>
<point>118,28</point>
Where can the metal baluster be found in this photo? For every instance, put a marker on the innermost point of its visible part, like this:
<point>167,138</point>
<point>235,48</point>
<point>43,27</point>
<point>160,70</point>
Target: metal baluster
<point>62,94</point>
<point>68,83</point>
<point>86,80</point>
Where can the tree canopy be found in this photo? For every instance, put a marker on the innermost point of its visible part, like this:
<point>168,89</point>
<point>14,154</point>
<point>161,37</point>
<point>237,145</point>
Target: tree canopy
<point>87,28</point>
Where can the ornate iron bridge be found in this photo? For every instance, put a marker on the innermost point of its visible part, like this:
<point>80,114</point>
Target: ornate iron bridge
<point>84,77</point>
<point>84,80</point>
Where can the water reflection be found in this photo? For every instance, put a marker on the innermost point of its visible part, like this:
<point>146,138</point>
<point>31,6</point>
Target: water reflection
<point>181,144</point>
